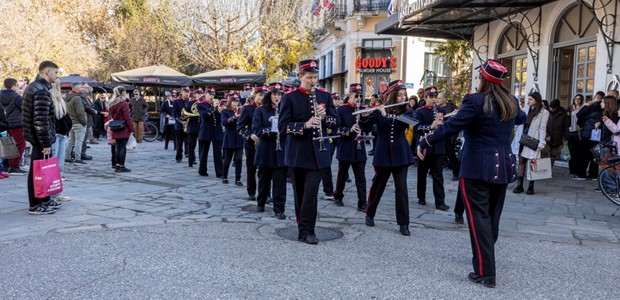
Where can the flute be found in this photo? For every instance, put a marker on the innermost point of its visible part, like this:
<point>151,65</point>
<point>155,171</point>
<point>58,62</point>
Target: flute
<point>377,107</point>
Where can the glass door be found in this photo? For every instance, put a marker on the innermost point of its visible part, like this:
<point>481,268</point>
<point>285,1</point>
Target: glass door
<point>585,69</point>
<point>519,78</point>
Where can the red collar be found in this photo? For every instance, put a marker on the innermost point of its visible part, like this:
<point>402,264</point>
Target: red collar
<point>304,91</point>
<point>348,105</point>
<point>427,107</point>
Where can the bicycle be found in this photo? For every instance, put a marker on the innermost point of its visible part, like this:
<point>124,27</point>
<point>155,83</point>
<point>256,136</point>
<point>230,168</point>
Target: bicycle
<point>609,178</point>
<point>150,131</point>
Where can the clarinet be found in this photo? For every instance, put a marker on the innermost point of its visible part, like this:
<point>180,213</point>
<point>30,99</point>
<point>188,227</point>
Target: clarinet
<point>359,145</point>
<point>278,148</point>
<point>435,117</point>
<point>316,114</point>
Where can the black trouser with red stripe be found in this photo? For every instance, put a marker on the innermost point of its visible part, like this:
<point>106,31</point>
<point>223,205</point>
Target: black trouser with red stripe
<point>265,177</point>
<point>382,175</point>
<point>250,174</point>
<point>181,143</point>
<point>360,180</point>
<point>484,202</point>
<point>306,189</point>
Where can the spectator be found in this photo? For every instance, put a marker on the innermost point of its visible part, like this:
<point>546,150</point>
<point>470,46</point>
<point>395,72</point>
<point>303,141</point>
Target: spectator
<point>63,126</point>
<point>610,111</point>
<point>39,129</point>
<point>3,126</point>
<point>119,110</point>
<point>545,104</point>
<point>573,134</point>
<point>557,129</point>
<point>101,107</point>
<point>167,114</point>
<point>536,127</point>
<point>12,103</point>
<point>139,108</point>
<point>587,119</point>
<point>79,120</point>
<point>86,92</point>
<point>599,95</point>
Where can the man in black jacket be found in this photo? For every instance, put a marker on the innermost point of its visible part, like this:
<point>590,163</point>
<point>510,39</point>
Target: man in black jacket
<point>39,129</point>
<point>12,103</point>
<point>557,129</point>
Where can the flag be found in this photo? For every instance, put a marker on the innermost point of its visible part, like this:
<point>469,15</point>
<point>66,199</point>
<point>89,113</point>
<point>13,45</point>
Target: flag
<point>391,8</point>
<point>318,5</point>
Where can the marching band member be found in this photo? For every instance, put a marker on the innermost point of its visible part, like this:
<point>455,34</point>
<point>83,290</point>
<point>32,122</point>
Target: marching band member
<point>167,112</point>
<point>193,125</point>
<point>210,133</point>
<point>351,153</point>
<point>244,127</point>
<point>233,142</point>
<point>269,152</point>
<point>429,117</point>
<point>487,119</point>
<point>305,114</point>
<point>179,132</point>
<point>392,155</point>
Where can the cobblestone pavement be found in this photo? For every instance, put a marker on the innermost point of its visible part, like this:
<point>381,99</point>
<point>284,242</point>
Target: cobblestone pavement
<point>159,190</point>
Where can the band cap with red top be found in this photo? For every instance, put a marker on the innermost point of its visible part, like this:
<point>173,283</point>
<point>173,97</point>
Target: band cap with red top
<point>336,96</point>
<point>356,88</point>
<point>247,87</point>
<point>275,87</point>
<point>260,89</point>
<point>395,86</point>
<point>234,97</point>
<point>493,71</point>
<point>210,91</point>
<point>431,91</point>
<point>196,92</point>
<point>309,65</point>
<point>185,89</point>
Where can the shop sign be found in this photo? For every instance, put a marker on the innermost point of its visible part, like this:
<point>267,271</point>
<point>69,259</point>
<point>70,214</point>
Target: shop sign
<point>375,65</point>
<point>408,7</point>
<point>151,79</point>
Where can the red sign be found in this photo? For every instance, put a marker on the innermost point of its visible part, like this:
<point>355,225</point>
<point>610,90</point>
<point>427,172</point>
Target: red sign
<point>376,65</point>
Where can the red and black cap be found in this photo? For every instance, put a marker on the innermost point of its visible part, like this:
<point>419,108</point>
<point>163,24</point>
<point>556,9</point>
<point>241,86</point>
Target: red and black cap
<point>310,65</point>
<point>260,89</point>
<point>234,97</point>
<point>275,87</point>
<point>247,87</point>
<point>395,86</point>
<point>210,91</point>
<point>335,96</point>
<point>356,88</point>
<point>493,71</point>
<point>185,89</point>
<point>196,93</point>
<point>431,91</point>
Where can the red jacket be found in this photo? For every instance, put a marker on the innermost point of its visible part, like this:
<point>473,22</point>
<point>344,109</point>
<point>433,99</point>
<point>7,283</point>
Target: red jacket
<point>120,111</point>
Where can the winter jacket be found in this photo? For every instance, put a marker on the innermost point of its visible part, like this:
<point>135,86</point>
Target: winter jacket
<point>4,125</point>
<point>139,108</point>
<point>587,117</point>
<point>88,108</point>
<point>12,103</point>
<point>557,127</point>
<point>538,130</point>
<point>120,111</point>
<point>38,114</point>
<point>63,126</point>
<point>75,108</point>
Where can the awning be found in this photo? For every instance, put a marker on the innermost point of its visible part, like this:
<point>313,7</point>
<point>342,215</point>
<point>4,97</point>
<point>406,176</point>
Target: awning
<point>450,19</point>
<point>157,75</point>
<point>228,79</point>
<point>66,81</point>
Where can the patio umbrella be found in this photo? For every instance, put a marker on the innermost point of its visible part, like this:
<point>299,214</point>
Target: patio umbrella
<point>228,79</point>
<point>66,81</point>
<point>158,75</point>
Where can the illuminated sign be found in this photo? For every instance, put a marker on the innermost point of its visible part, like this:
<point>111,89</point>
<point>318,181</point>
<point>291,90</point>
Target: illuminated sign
<point>375,65</point>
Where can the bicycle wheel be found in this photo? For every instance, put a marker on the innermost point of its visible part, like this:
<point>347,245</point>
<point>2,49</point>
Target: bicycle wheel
<point>609,183</point>
<point>150,132</point>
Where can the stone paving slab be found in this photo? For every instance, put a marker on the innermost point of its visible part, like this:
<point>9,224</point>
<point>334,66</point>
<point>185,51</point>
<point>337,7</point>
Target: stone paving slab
<point>158,189</point>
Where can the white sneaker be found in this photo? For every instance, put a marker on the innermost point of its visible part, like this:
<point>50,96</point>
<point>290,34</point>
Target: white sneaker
<point>62,197</point>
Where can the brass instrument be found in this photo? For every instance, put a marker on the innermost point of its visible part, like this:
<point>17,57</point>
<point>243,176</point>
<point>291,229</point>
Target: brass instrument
<point>377,107</point>
<point>185,115</point>
<point>316,115</point>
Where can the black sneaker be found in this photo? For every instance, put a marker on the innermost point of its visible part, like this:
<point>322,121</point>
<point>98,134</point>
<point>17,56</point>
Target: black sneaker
<point>86,157</point>
<point>122,170</point>
<point>79,161</point>
<point>338,202</point>
<point>52,204</point>
<point>238,183</point>
<point>225,181</point>
<point>280,215</point>
<point>458,219</point>
<point>40,210</point>
<point>17,171</point>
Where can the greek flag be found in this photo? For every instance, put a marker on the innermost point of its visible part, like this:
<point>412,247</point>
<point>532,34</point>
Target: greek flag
<point>391,8</point>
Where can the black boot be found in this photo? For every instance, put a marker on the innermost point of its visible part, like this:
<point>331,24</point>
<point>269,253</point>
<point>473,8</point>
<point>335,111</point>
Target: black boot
<point>519,188</point>
<point>530,188</point>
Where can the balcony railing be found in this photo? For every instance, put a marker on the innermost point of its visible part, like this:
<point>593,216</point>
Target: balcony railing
<point>340,10</point>
<point>374,6</point>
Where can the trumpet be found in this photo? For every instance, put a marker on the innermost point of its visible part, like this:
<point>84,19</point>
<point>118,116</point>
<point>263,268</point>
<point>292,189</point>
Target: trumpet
<point>363,111</point>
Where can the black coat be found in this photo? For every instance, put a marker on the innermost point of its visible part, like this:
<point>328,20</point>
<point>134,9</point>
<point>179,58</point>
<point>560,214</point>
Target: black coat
<point>178,106</point>
<point>426,116</point>
<point>63,126</point>
<point>244,124</point>
<point>4,125</point>
<point>347,146</point>
<point>38,114</point>
<point>210,123</point>
<point>392,149</point>
<point>193,123</point>
<point>266,154</point>
<point>232,139</point>
<point>12,103</point>
<point>587,117</point>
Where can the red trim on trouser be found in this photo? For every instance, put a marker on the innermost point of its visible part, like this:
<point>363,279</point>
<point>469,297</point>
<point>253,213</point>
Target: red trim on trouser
<point>370,191</point>
<point>473,227</point>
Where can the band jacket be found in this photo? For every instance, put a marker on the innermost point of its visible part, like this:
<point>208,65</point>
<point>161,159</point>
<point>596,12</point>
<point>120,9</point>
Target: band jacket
<point>167,109</point>
<point>347,146</point>
<point>244,124</point>
<point>210,123</point>
<point>193,123</point>
<point>177,107</point>
<point>301,151</point>
<point>266,154</point>
<point>426,117</point>
<point>392,149</point>
<point>487,154</point>
<point>232,139</point>
<point>38,114</point>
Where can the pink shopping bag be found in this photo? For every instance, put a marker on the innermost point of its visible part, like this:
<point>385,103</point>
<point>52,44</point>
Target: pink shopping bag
<point>46,175</point>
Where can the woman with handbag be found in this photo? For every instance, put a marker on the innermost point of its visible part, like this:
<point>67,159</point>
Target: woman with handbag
<point>121,125</point>
<point>533,139</point>
<point>63,126</point>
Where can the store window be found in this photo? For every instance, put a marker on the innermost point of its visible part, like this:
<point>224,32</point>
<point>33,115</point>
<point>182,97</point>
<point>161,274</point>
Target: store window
<point>585,69</point>
<point>376,82</point>
<point>343,60</point>
<point>512,52</point>
<point>377,44</point>
<point>330,64</point>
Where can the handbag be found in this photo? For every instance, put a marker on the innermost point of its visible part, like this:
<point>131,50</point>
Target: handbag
<point>46,177</point>
<point>529,141</point>
<point>565,153</point>
<point>8,148</point>
<point>596,135</point>
<point>539,169</point>
<point>117,125</point>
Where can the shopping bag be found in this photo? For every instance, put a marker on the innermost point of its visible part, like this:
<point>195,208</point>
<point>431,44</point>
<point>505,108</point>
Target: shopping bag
<point>46,177</point>
<point>8,148</point>
<point>565,153</point>
<point>538,169</point>
<point>596,135</point>
<point>132,144</point>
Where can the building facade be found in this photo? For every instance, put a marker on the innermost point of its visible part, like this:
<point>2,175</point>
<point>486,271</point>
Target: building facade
<point>350,51</point>
<point>559,48</point>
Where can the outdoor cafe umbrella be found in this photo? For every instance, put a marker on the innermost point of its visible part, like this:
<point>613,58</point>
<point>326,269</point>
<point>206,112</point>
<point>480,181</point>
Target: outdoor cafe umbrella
<point>66,81</point>
<point>158,75</point>
<point>228,79</point>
